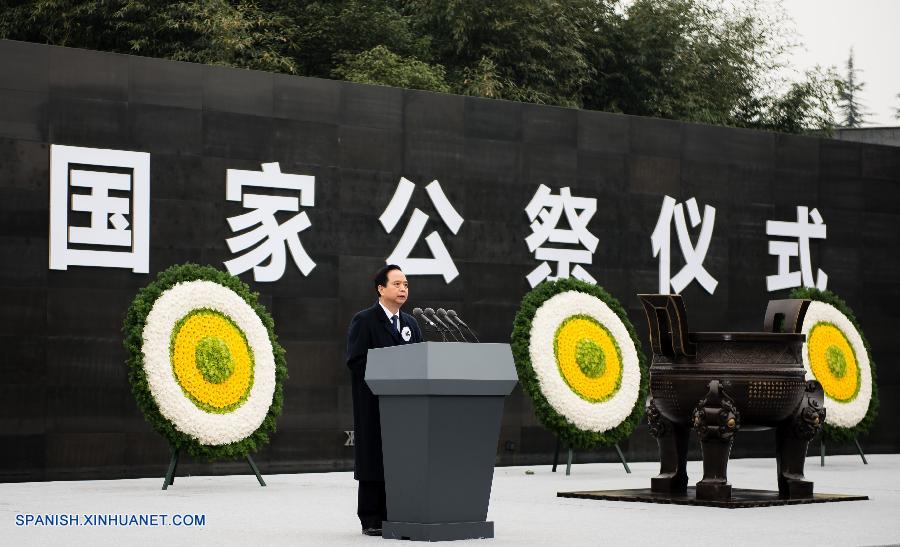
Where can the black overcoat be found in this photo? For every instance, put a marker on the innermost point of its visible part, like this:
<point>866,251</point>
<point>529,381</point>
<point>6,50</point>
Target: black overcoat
<point>369,329</point>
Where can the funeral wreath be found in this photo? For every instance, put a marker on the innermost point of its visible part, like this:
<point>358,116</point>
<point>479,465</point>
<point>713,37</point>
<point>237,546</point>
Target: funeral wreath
<point>837,355</point>
<point>580,361</point>
<point>204,363</point>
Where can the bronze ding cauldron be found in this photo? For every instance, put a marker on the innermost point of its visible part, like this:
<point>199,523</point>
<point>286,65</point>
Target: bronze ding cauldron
<point>721,382</point>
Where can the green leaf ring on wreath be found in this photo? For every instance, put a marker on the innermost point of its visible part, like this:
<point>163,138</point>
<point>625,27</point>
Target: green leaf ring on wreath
<point>204,363</point>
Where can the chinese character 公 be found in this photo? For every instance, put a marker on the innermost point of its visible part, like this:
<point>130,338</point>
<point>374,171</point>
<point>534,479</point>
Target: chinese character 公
<point>693,255</point>
<point>441,263</point>
<point>544,211</point>
<point>117,201</point>
<point>274,236</point>
<point>803,231</point>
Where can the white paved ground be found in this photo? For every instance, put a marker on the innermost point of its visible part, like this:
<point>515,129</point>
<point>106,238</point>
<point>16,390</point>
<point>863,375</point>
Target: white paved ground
<point>318,509</point>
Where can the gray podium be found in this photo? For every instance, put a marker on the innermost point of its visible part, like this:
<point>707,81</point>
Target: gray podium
<point>441,404</point>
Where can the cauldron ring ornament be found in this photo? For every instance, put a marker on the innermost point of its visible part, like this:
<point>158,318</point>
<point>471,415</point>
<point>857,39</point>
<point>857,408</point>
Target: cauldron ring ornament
<point>720,382</point>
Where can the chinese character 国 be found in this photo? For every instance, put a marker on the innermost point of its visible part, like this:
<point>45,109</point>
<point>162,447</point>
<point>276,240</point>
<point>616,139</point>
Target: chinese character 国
<point>106,223</point>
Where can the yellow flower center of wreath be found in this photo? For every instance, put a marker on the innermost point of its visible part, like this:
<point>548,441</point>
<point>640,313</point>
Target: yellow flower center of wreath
<point>589,358</point>
<point>833,362</point>
<point>211,361</point>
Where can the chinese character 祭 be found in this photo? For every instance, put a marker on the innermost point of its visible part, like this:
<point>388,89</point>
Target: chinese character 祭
<point>112,189</point>
<point>693,255</point>
<point>441,263</point>
<point>545,211</point>
<point>802,231</point>
<point>270,236</point>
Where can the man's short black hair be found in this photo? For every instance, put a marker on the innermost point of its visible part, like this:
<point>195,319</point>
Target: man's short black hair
<point>381,276</point>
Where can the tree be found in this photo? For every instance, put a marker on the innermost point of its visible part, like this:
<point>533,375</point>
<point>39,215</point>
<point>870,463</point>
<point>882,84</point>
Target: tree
<point>806,104</point>
<point>324,33</point>
<point>211,31</point>
<point>696,60</point>
<point>525,50</point>
<point>711,61</point>
<point>382,67</point>
<point>849,90</point>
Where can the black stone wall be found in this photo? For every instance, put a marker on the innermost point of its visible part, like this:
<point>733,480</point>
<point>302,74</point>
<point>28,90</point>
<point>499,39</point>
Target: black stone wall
<point>66,410</point>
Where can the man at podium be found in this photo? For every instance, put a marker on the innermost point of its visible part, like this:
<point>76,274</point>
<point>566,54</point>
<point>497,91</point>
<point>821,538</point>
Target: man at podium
<point>380,326</point>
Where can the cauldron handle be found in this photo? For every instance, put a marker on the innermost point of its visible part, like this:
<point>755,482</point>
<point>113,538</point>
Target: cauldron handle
<point>667,319</point>
<point>785,315</point>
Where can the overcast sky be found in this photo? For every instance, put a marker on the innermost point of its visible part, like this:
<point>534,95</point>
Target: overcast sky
<point>829,28</point>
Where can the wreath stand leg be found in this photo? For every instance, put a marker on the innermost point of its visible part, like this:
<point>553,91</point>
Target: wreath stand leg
<point>570,455</point>
<point>556,455</point>
<point>622,458</point>
<point>858,449</point>
<point>255,470</point>
<point>568,459</point>
<point>173,465</point>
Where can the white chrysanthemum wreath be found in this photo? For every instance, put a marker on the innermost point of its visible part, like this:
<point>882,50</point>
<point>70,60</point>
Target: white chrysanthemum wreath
<point>834,355</point>
<point>578,357</point>
<point>837,355</point>
<point>206,368</point>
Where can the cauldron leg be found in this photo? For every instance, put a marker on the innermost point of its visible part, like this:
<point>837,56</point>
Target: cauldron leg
<point>716,419</point>
<point>792,440</point>
<point>672,439</point>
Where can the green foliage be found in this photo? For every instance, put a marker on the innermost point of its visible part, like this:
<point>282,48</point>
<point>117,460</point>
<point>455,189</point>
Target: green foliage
<point>483,80</point>
<point>214,360</point>
<point>132,330</point>
<point>849,89</point>
<point>710,61</point>
<point>845,435</point>
<point>215,32</point>
<point>325,33</point>
<point>521,341</point>
<point>534,48</point>
<point>806,104</point>
<point>702,61</point>
<point>382,67</point>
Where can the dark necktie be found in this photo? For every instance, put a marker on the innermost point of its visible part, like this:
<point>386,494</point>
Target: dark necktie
<point>396,322</point>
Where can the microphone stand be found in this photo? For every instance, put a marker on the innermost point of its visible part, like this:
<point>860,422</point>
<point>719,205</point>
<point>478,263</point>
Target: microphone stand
<point>458,319</point>
<point>430,326</point>
<point>442,313</point>
<point>429,312</point>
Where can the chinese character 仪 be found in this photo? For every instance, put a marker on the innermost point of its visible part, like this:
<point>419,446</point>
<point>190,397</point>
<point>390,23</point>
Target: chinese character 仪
<point>544,211</point>
<point>274,237</point>
<point>693,256</point>
<point>117,202</point>
<point>803,231</point>
<point>441,263</point>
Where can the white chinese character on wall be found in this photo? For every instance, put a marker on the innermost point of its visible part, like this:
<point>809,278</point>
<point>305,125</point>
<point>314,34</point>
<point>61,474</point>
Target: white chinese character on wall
<point>545,211</point>
<point>272,240</point>
<point>106,223</point>
<point>441,263</point>
<point>802,231</point>
<point>693,254</point>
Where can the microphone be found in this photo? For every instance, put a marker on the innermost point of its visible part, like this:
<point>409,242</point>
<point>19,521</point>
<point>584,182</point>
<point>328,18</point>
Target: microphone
<point>442,313</point>
<point>418,313</point>
<point>444,328</point>
<point>458,319</point>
